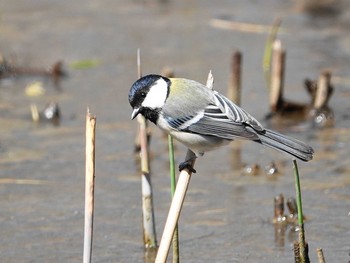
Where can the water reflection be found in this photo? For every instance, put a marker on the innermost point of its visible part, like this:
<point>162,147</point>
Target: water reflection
<point>284,223</point>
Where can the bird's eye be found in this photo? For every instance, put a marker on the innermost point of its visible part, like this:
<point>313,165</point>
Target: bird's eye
<point>143,94</point>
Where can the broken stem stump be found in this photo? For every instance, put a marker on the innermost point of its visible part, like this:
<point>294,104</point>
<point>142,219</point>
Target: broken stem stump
<point>320,256</point>
<point>324,90</point>
<point>277,76</point>
<point>234,89</point>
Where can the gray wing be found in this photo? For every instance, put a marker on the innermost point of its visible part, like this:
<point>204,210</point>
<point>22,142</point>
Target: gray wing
<point>220,118</point>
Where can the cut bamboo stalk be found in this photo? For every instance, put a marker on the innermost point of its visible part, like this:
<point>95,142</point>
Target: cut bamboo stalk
<point>277,76</point>
<point>174,211</point>
<point>234,89</point>
<point>89,186</point>
<point>149,229</point>
<point>324,90</point>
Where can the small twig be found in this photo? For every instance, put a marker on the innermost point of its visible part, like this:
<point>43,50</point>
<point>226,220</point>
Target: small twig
<point>89,185</point>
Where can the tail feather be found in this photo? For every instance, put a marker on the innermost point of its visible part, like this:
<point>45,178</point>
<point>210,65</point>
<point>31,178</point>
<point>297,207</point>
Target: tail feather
<point>286,144</point>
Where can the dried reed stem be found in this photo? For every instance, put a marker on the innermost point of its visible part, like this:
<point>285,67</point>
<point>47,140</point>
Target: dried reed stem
<point>149,229</point>
<point>89,185</point>
<point>174,211</point>
<point>238,26</point>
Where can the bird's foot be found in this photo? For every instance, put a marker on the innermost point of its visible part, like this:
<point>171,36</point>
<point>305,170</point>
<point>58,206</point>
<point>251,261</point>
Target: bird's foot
<point>187,165</point>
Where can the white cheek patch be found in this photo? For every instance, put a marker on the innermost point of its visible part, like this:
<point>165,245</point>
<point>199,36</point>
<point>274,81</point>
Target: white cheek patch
<point>157,95</point>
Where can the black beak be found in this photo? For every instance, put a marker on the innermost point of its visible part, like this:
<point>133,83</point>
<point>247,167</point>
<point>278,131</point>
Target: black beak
<point>134,113</point>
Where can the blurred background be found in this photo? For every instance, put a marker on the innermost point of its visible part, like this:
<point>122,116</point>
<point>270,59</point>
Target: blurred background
<point>227,213</point>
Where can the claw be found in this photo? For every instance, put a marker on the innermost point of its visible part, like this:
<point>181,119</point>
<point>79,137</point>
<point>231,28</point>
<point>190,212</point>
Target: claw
<point>187,165</point>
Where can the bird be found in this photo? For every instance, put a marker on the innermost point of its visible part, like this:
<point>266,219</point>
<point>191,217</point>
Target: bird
<point>203,119</point>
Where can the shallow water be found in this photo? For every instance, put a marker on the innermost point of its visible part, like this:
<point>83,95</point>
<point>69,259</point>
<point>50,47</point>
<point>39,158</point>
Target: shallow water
<point>226,216</point>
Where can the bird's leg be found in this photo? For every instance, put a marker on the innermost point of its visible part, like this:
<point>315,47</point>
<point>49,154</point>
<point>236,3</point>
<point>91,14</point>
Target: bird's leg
<point>187,164</point>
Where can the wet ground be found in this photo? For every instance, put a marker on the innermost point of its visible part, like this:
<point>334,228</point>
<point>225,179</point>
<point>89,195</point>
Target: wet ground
<point>226,216</point>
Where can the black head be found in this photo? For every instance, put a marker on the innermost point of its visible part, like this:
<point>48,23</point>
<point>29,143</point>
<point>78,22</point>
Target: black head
<point>148,94</point>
